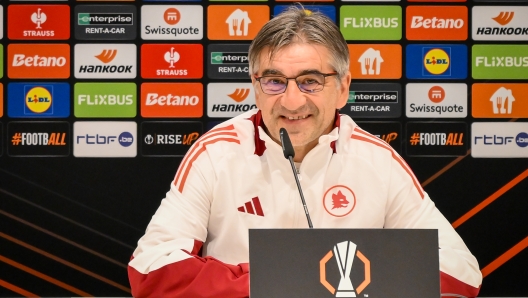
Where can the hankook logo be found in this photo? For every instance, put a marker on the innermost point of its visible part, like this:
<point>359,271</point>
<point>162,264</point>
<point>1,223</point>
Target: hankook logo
<point>500,23</point>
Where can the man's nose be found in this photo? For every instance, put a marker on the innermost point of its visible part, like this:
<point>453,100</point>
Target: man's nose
<point>293,98</point>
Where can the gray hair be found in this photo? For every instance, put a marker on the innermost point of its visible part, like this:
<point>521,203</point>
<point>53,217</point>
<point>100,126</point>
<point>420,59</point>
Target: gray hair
<point>296,25</point>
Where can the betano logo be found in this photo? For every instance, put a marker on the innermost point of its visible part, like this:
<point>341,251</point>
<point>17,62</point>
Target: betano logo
<point>240,94</point>
<point>504,17</point>
<point>38,100</point>
<point>345,253</point>
<point>38,61</point>
<point>172,16</point>
<point>500,100</point>
<point>436,61</point>
<point>437,23</point>
<point>106,56</point>
<point>171,100</point>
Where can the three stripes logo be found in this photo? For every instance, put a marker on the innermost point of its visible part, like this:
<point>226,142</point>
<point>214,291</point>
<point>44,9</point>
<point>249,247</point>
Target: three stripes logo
<point>504,17</point>
<point>252,207</point>
<point>107,56</point>
<point>239,95</point>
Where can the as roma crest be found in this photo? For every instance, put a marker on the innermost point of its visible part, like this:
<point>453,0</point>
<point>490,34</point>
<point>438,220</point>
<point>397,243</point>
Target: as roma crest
<point>339,200</point>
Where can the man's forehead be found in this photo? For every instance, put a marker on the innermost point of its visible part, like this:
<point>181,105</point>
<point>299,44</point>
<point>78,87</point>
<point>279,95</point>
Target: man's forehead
<point>297,57</point>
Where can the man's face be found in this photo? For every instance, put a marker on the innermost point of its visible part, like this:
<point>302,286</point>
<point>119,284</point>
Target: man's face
<point>305,116</point>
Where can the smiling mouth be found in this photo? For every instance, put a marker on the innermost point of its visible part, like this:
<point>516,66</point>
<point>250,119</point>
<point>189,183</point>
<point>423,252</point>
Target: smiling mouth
<point>296,117</point>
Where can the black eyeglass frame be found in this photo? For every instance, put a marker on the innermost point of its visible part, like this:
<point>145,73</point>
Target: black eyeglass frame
<point>295,79</point>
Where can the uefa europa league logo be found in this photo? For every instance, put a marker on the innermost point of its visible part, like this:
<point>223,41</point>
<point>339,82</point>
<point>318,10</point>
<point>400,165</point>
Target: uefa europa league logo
<point>344,253</point>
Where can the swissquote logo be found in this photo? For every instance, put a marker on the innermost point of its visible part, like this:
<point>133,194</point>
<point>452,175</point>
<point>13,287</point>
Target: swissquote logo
<point>229,99</point>
<point>109,61</point>
<point>252,207</point>
<point>31,22</point>
<point>345,253</point>
<point>437,22</point>
<point>172,22</point>
<point>172,61</point>
<point>446,100</point>
<point>500,23</point>
<point>172,100</point>
<point>36,61</point>
<point>500,100</point>
<point>339,201</point>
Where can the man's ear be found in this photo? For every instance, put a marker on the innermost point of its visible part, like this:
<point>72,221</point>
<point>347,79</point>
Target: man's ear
<point>343,91</point>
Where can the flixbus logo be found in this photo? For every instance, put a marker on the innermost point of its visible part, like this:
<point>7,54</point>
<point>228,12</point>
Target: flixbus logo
<point>371,22</point>
<point>38,61</point>
<point>500,61</point>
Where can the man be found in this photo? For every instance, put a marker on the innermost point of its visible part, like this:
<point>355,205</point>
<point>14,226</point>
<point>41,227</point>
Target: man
<point>299,65</point>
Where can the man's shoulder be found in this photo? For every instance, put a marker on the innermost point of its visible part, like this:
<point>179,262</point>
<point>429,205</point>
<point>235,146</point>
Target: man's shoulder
<point>355,140</point>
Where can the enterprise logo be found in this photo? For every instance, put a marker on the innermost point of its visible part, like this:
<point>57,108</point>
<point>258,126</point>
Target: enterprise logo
<point>85,19</point>
<point>374,100</point>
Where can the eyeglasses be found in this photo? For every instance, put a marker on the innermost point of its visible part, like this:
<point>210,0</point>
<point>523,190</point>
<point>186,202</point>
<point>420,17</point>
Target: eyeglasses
<point>307,83</point>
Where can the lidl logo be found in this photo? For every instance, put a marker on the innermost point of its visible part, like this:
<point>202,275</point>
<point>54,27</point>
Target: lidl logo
<point>38,61</point>
<point>172,100</point>
<point>46,100</point>
<point>378,22</point>
<point>235,22</point>
<point>172,22</point>
<point>229,99</point>
<point>38,22</point>
<point>109,61</point>
<point>436,61</point>
<point>499,23</point>
<point>375,61</point>
<point>172,61</point>
<point>116,100</point>
<point>427,100</point>
<point>105,139</point>
<point>327,10</point>
<point>499,100</point>
<point>500,61</point>
<point>436,22</point>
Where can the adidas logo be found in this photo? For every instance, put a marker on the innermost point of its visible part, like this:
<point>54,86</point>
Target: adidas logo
<point>252,207</point>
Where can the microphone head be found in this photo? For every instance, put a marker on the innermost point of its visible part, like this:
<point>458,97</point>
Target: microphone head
<point>287,147</point>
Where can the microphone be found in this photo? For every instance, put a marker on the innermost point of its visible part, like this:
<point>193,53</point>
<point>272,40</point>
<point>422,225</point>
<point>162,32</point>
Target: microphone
<point>289,153</point>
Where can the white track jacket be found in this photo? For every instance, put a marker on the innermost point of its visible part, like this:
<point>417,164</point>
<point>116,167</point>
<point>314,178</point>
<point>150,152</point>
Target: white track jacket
<point>235,177</point>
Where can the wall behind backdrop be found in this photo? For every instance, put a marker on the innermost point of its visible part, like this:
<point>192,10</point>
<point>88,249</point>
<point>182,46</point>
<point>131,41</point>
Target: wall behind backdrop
<point>100,100</point>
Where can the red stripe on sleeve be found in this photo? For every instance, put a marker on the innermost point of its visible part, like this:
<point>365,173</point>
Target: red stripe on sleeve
<point>451,285</point>
<point>249,208</point>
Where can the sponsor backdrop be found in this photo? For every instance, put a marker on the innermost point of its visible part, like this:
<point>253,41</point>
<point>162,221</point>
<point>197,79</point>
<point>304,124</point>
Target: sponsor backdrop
<point>100,100</point>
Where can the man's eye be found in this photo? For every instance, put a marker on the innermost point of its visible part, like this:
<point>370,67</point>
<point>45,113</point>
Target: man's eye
<point>276,81</point>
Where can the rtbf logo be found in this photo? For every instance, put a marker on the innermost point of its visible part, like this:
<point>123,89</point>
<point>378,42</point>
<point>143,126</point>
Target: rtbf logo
<point>437,22</point>
<point>499,139</point>
<point>104,139</point>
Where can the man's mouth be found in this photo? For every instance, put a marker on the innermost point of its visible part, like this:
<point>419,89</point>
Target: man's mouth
<point>296,117</point>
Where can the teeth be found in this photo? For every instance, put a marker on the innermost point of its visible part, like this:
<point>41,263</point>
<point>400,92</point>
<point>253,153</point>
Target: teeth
<point>297,118</point>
